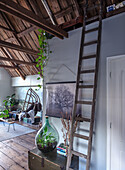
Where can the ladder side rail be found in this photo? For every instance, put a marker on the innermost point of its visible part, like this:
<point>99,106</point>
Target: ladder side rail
<point>95,90</point>
<point>76,94</point>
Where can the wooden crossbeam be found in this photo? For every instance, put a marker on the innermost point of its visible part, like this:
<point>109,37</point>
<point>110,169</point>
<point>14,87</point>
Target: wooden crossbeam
<point>7,66</point>
<point>16,10</point>
<point>26,31</point>
<point>17,61</point>
<point>17,47</point>
<point>73,22</point>
<point>64,12</point>
<point>57,15</point>
<point>7,29</point>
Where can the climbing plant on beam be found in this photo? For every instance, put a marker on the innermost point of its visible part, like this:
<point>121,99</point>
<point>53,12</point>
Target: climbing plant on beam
<point>43,54</point>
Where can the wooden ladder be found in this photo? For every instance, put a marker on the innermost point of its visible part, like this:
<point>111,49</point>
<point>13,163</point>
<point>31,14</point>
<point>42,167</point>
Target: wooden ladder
<point>79,86</point>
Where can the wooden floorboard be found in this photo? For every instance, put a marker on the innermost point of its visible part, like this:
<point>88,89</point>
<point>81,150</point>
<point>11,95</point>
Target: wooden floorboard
<point>14,152</point>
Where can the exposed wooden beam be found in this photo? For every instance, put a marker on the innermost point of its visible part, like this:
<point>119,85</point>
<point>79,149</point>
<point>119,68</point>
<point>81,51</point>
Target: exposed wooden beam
<point>17,69</point>
<point>73,22</point>
<point>17,61</point>
<point>7,29</point>
<point>64,12</point>
<point>17,47</point>
<point>27,31</point>
<point>57,15</point>
<point>21,43</point>
<point>16,10</point>
<point>7,66</point>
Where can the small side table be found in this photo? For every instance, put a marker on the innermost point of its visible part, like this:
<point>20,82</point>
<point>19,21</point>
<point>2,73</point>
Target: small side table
<point>49,161</point>
<point>10,122</point>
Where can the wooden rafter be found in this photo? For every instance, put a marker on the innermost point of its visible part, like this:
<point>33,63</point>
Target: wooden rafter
<point>57,15</point>
<point>7,66</point>
<point>17,61</point>
<point>17,47</point>
<point>64,12</point>
<point>7,29</point>
<point>31,58</point>
<point>26,31</point>
<point>17,68</point>
<point>16,10</point>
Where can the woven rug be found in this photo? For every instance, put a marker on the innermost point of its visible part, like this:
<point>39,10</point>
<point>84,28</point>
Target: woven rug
<point>19,130</point>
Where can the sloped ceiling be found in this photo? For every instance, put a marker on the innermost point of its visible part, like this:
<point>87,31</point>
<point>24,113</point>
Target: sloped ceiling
<point>66,14</point>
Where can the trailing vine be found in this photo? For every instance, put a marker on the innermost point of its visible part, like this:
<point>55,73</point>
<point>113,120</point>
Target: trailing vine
<point>43,54</point>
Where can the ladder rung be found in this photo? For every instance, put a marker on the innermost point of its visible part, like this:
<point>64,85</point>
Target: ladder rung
<point>82,119</point>
<point>87,71</point>
<point>84,102</point>
<point>86,86</point>
<point>79,154</point>
<point>89,56</point>
<point>92,30</point>
<point>90,43</point>
<point>81,136</point>
<point>92,19</point>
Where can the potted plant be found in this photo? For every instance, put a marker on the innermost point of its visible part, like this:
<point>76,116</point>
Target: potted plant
<point>47,137</point>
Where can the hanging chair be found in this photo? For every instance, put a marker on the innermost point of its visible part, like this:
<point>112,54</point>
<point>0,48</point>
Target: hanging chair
<point>31,97</point>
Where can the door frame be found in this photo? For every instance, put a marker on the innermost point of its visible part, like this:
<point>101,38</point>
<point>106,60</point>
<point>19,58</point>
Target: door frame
<point>109,111</point>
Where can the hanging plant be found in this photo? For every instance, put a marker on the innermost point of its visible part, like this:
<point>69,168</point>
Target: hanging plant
<point>43,54</point>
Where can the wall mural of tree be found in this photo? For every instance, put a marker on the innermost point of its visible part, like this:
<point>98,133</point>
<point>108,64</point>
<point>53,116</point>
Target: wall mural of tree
<point>60,99</point>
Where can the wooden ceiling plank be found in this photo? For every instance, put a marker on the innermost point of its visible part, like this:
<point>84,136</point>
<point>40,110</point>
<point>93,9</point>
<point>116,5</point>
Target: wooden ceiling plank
<point>64,12</point>
<point>57,15</point>
<point>26,31</point>
<point>64,4</point>
<point>49,12</point>
<point>17,47</point>
<point>7,66</point>
<point>14,9</point>
<point>7,29</point>
<point>21,56</point>
<point>9,23</point>
<point>11,39</point>
<point>17,61</point>
<point>77,7</point>
<point>9,11</point>
<point>17,69</point>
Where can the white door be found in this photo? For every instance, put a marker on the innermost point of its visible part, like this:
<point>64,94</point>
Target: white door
<point>116,89</point>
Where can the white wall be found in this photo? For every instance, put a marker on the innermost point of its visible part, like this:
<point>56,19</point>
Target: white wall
<point>62,66</point>
<point>5,85</point>
<point>29,81</point>
<point>21,86</point>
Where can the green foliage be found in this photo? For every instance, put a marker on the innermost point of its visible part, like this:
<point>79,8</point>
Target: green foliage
<point>8,103</point>
<point>45,139</point>
<point>44,52</point>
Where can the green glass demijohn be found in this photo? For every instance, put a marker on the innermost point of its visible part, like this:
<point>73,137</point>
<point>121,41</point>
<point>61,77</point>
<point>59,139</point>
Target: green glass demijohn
<point>47,137</point>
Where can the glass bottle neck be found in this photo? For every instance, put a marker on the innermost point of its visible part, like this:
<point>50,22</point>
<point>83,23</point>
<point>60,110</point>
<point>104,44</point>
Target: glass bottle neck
<point>47,121</point>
